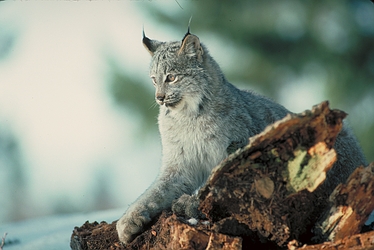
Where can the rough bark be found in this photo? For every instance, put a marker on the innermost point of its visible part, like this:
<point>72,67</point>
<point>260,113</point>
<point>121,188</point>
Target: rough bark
<point>364,241</point>
<point>350,206</point>
<point>169,232</point>
<point>272,179</point>
<point>268,194</point>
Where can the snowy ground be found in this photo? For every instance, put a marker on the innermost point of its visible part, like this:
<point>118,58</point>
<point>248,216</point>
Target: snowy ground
<point>50,233</point>
<point>53,233</point>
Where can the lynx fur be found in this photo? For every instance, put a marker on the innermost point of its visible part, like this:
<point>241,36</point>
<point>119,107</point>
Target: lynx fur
<point>202,119</point>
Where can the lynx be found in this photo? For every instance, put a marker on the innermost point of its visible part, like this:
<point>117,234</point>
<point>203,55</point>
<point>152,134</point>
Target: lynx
<point>202,119</point>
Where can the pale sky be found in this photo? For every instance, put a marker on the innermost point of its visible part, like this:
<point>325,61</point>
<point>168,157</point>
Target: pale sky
<point>54,98</point>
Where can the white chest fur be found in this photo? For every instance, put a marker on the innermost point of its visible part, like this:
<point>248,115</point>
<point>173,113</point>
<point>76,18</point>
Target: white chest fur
<point>191,141</point>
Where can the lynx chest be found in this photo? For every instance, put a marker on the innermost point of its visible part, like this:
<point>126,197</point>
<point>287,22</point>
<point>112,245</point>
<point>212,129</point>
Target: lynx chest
<point>193,141</point>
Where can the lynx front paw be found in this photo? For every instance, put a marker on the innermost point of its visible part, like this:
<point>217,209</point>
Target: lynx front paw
<point>131,224</point>
<point>187,206</point>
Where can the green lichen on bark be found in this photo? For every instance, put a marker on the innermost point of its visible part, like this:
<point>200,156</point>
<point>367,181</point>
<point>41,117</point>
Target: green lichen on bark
<point>308,171</point>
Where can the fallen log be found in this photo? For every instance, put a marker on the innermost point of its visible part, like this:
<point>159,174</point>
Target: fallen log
<point>270,185</point>
<point>364,241</point>
<point>267,194</point>
<point>349,208</point>
<point>169,232</point>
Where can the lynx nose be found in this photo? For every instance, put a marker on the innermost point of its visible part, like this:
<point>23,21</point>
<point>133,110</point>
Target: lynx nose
<point>160,97</point>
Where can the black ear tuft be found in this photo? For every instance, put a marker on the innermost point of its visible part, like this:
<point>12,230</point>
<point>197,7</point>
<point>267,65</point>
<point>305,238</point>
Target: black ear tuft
<point>150,45</point>
<point>188,30</point>
<point>191,45</point>
<point>147,43</point>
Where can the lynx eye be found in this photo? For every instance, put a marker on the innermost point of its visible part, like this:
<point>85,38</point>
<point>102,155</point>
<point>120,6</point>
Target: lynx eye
<point>170,78</point>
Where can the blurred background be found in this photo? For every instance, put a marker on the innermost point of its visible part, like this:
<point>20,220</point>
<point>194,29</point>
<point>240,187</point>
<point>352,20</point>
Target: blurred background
<point>78,122</point>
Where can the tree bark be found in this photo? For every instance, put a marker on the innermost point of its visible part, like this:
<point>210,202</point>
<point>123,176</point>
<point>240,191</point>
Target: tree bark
<point>350,206</point>
<point>268,194</point>
<point>364,241</point>
<point>271,185</point>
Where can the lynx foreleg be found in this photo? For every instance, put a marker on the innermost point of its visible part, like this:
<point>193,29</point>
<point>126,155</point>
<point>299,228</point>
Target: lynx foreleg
<point>170,185</point>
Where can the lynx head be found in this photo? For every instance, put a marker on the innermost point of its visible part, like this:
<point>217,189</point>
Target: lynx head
<point>177,72</point>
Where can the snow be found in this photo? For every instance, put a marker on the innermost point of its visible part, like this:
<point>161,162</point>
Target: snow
<point>193,221</point>
<point>50,233</point>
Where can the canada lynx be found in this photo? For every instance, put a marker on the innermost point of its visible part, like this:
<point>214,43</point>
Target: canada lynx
<point>202,119</point>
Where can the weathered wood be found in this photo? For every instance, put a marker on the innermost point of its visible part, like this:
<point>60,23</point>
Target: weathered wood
<point>350,206</point>
<point>268,185</point>
<point>92,236</point>
<point>269,193</point>
<point>168,232</point>
<point>363,241</point>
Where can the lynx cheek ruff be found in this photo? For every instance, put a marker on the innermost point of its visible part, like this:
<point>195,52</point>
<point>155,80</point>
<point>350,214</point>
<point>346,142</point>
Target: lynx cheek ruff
<point>202,119</point>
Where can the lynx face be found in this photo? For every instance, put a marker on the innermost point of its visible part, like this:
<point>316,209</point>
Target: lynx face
<point>177,73</point>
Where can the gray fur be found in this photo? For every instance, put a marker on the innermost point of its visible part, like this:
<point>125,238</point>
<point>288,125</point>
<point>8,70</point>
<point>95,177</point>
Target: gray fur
<point>202,118</point>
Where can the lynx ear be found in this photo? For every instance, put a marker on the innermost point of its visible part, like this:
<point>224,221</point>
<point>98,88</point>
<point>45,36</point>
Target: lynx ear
<point>191,47</point>
<point>150,45</point>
